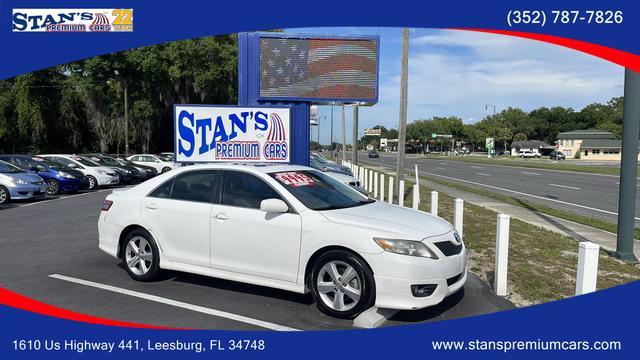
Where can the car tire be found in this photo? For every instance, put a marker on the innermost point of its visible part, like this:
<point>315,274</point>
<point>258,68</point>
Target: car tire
<point>5,197</point>
<point>339,297</point>
<point>166,169</point>
<point>93,182</point>
<point>53,187</point>
<point>140,256</point>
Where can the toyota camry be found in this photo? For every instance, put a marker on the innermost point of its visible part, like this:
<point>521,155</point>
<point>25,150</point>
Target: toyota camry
<point>287,227</point>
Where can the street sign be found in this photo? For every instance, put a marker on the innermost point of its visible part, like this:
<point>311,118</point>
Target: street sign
<point>209,133</point>
<point>372,132</point>
<point>489,144</point>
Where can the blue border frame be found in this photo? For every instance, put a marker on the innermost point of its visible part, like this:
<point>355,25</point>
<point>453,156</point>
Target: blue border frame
<point>320,101</point>
<point>175,134</point>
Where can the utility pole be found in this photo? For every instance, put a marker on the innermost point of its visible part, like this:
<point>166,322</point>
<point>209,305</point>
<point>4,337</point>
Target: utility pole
<point>123,82</point>
<point>126,119</point>
<point>402,126</point>
<point>344,134</point>
<point>354,156</point>
<point>331,143</point>
<point>628,167</point>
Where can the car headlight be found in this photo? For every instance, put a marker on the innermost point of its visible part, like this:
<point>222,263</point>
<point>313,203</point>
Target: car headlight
<point>18,181</point>
<point>65,175</point>
<point>405,247</point>
<point>102,172</point>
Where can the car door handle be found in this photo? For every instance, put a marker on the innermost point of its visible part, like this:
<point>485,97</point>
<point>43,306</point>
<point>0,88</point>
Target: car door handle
<point>221,216</point>
<point>151,206</point>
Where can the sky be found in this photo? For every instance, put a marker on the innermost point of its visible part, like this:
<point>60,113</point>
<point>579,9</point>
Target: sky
<point>456,73</point>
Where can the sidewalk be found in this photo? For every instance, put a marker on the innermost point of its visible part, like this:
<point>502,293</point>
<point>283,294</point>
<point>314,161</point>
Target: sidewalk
<point>605,239</point>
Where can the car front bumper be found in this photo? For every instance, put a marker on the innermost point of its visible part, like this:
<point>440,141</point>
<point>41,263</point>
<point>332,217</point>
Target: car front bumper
<point>27,191</point>
<point>104,180</point>
<point>395,274</point>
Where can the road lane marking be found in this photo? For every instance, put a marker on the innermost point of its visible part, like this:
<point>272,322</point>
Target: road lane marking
<point>180,304</point>
<point>62,197</point>
<point>482,174</point>
<point>440,168</point>
<point>529,173</point>
<point>442,163</point>
<point>476,167</point>
<point>565,186</point>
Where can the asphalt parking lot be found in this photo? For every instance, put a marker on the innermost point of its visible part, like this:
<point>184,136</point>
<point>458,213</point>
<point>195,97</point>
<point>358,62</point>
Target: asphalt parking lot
<point>49,252</point>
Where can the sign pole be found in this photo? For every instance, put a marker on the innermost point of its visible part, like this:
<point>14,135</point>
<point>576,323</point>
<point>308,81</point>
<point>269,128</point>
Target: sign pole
<point>354,154</point>
<point>344,136</point>
<point>628,167</point>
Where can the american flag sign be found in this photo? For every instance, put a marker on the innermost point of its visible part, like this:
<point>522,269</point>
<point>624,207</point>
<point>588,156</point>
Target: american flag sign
<point>319,69</point>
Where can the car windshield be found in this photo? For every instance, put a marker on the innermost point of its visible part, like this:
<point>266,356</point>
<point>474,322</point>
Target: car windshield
<point>318,191</point>
<point>105,160</point>
<point>85,161</point>
<point>162,158</point>
<point>319,159</point>
<point>6,168</point>
<point>49,163</point>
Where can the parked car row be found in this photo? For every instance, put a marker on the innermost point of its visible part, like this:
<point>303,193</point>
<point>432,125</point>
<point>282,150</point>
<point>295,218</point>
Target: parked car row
<point>24,177</point>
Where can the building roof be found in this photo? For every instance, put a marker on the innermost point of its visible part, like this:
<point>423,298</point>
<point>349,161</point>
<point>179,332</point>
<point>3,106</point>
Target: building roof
<point>586,134</point>
<point>601,144</point>
<point>528,144</point>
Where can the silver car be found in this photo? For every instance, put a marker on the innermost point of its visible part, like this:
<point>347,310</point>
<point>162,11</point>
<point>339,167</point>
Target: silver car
<point>17,184</point>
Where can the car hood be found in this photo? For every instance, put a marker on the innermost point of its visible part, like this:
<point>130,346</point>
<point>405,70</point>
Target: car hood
<point>391,220</point>
<point>29,177</point>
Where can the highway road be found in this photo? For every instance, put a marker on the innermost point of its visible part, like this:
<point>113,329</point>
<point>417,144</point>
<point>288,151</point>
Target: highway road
<point>587,194</point>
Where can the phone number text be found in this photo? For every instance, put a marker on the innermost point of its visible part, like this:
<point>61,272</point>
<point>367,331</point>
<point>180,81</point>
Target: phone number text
<point>564,17</point>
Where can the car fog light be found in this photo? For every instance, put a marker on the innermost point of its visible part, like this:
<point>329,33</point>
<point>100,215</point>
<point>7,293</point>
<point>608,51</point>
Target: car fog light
<point>423,290</point>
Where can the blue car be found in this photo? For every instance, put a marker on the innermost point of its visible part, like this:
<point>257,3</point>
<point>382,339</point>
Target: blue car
<point>57,177</point>
<point>17,184</point>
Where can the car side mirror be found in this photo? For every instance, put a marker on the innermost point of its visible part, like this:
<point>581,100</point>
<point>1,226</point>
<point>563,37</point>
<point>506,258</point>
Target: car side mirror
<point>274,206</point>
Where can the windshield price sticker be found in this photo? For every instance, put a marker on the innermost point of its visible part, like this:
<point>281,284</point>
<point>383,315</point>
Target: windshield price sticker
<point>294,179</point>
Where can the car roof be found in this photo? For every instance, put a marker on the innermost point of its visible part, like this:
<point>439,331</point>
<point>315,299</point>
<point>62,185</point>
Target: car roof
<point>256,167</point>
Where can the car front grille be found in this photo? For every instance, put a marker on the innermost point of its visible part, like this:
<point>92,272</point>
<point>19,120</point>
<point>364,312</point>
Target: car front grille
<point>448,248</point>
<point>454,279</point>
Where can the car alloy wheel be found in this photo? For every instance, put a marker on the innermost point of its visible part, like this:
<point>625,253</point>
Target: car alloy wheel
<point>53,188</point>
<point>93,183</point>
<point>139,255</point>
<point>4,195</point>
<point>339,286</point>
<point>165,169</point>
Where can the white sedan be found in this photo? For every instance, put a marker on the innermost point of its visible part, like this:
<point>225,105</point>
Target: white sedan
<point>160,163</point>
<point>286,227</point>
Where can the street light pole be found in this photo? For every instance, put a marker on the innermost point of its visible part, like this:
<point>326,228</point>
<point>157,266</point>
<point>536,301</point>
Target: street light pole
<point>126,119</point>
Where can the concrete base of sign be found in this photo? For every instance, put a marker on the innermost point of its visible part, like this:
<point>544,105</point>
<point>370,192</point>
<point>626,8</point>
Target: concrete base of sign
<point>373,317</point>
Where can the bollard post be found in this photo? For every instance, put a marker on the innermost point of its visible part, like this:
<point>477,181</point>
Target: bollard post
<point>458,215</point>
<point>366,175</point>
<point>502,255</point>
<point>382,187</point>
<point>401,193</point>
<point>370,179</point>
<point>417,181</point>
<point>390,198</point>
<point>375,184</point>
<point>416,197</point>
<point>587,267</point>
<point>434,203</point>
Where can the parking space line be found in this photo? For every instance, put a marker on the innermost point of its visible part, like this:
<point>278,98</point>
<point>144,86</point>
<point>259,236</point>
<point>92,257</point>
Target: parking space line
<point>180,304</point>
<point>476,167</point>
<point>529,173</point>
<point>483,174</point>
<point>440,168</point>
<point>62,197</point>
<point>565,186</point>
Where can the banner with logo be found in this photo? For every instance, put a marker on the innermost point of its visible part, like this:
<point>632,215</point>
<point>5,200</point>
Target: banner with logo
<point>72,20</point>
<point>209,133</point>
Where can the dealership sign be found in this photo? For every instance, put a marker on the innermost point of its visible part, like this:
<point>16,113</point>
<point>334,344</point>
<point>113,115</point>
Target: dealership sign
<point>72,20</point>
<point>208,133</point>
